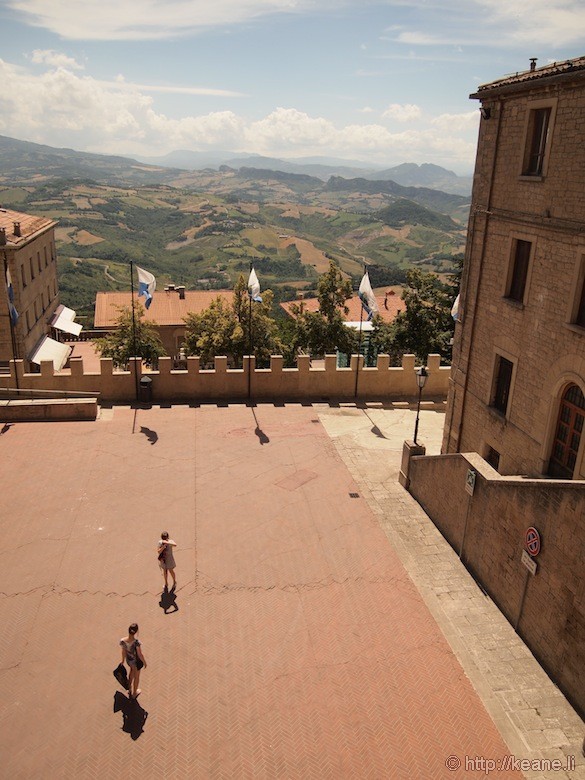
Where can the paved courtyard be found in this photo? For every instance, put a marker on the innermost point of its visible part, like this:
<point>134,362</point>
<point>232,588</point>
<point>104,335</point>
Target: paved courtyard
<point>307,637</point>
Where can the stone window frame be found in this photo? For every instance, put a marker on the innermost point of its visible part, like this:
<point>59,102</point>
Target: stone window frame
<point>512,256</point>
<point>575,320</point>
<point>23,276</point>
<point>532,107</point>
<point>557,390</point>
<point>498,355</point>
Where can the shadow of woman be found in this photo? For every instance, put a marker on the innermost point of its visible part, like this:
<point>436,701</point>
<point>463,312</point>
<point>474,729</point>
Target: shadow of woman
<point>168,601</point>
<point>133,715</point>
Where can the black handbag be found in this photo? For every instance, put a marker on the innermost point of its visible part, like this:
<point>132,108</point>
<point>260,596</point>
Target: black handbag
<point>121,675</point>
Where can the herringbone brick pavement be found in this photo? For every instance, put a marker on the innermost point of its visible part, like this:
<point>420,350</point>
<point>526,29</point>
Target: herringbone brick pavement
<point>300,647</point>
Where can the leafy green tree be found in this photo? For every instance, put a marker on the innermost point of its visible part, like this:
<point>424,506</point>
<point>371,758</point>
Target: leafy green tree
<point>426,326</point>
<point>212,332</point>
<point>126,341</point>
<point>323,331</point>
<point>224,329</point>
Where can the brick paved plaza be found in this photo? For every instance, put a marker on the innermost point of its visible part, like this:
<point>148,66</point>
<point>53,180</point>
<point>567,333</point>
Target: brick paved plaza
<point>301,647</point>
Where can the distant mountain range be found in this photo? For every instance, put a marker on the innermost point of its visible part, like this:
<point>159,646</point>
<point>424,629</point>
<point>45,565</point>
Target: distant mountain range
<point>407,174</point>
<point>20,158</point>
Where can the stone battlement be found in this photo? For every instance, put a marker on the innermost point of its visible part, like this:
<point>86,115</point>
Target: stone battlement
<point>222,383</point>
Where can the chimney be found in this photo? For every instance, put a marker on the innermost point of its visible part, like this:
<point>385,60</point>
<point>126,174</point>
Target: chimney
<point>17,229</point>
<point>533,61</point>
<point>2,236</point>
<point>181,291</point>
<point>171,287</point>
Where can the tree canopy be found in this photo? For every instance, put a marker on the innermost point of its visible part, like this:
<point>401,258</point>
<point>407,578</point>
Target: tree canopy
<point>225,329</point>
<point>131,339</point>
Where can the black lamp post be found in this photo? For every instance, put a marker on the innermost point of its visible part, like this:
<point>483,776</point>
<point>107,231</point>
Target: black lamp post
<point>421,379</point>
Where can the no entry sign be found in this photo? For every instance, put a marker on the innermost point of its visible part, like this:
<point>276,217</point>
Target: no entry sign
<point>532,541</point>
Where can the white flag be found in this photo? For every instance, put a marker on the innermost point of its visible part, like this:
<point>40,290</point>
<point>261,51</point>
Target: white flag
<point>146,285</point>
<point>367,297</point>
<point>455,310</point>
<point>254,287</point>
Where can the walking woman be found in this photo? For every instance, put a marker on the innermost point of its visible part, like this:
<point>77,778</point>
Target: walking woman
<point>167,559</point>
<point>133,656</point>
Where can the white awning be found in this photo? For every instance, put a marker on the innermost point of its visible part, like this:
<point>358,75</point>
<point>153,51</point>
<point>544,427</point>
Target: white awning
<point>63,320</point>
<point>49,349</point>
<point>364,325</point>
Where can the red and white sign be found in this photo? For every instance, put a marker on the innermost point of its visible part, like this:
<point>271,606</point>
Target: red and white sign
<point>532,541</point>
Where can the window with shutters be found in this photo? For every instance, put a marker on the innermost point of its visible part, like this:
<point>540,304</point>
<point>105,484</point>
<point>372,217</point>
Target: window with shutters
<point>567,433</point>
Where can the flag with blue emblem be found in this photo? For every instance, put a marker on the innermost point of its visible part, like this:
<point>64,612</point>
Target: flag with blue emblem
<point>367,296</point>
<point>254,287</point>
<point>10,291</point>
<point>146,285</point>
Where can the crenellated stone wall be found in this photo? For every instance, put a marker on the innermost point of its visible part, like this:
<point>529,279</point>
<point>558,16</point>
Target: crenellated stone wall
<point>222,383</point>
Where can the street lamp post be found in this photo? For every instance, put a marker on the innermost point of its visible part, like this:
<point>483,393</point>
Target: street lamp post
<point>421,379</point>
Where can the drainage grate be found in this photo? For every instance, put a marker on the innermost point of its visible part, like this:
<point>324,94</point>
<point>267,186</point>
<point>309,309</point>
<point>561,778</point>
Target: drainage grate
<point>354,495</point>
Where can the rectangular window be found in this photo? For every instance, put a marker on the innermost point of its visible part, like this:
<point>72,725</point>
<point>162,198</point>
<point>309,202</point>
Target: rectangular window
<point>521,258</point>
<point>493,458</point>
<point>580,318</point>
<point>27,322</point>
<point>23,275</point>
<point>43,301</point>
<point>39,262</point>
<point>538,131</point>
<point>32,268</point>
<point>45,255</point>
<point>502,385</point>
<point>36,311</point>
<point>48,295</point>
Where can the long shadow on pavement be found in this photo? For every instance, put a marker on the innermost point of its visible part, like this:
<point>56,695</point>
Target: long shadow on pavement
<point>134,716</point>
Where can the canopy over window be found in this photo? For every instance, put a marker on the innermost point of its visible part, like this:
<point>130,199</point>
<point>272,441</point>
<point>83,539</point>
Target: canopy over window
<point>63,320</point>
<point>49,349</point>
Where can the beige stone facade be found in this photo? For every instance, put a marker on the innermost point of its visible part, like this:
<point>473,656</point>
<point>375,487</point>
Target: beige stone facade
<point>519,351</point>
<point>27,248</point>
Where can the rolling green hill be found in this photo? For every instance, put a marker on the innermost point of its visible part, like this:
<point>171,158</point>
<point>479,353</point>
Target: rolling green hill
<point>202,228</point>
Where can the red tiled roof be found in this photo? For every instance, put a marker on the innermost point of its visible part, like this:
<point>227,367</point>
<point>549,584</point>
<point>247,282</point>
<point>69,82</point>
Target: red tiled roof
<point>394,302</point>
<point>565,68</point>
<point>29,225</point>
<point>166,307</point>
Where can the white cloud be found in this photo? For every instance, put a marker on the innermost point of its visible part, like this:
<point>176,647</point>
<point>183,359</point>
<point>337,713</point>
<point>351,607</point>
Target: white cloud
<point>553,23</point>
<point>149,19</point>
<point>65,108</point>
<point>406,112</point>
<point>54,58</point>
<point>468,120</point>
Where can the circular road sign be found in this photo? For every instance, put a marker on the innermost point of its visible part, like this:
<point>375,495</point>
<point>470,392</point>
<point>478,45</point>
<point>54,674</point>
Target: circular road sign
<point>532,540</point>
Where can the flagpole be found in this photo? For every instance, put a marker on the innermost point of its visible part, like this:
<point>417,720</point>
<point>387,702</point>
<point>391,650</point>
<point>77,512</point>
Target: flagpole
<point>357,367</point>
<point>12,335</point>
<point>133,328</point>
<point>250,342</point>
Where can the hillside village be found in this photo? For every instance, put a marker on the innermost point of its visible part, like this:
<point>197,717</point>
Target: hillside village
<point>505,488</point>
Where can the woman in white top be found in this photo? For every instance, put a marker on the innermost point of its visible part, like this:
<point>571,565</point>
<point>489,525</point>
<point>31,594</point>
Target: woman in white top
<point>167,559</point>
<point>133,656</point>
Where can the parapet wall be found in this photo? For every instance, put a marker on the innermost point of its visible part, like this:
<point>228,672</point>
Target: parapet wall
<point>221,383</point>
<point>487,529</point>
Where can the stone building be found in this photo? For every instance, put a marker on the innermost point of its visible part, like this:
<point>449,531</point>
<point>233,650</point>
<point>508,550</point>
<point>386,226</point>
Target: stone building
<point>518,384</point>
<point>508,492</point>
<point>27,250</point>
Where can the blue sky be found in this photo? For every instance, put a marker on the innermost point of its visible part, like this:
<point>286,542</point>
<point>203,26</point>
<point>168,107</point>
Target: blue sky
<point>383,81</point>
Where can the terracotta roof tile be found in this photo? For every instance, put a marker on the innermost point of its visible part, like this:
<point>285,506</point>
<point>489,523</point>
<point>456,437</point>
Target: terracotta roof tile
<point>166,307</point>
<point>564,68</point>
<point>395,305</point>
<point>29,225</point>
